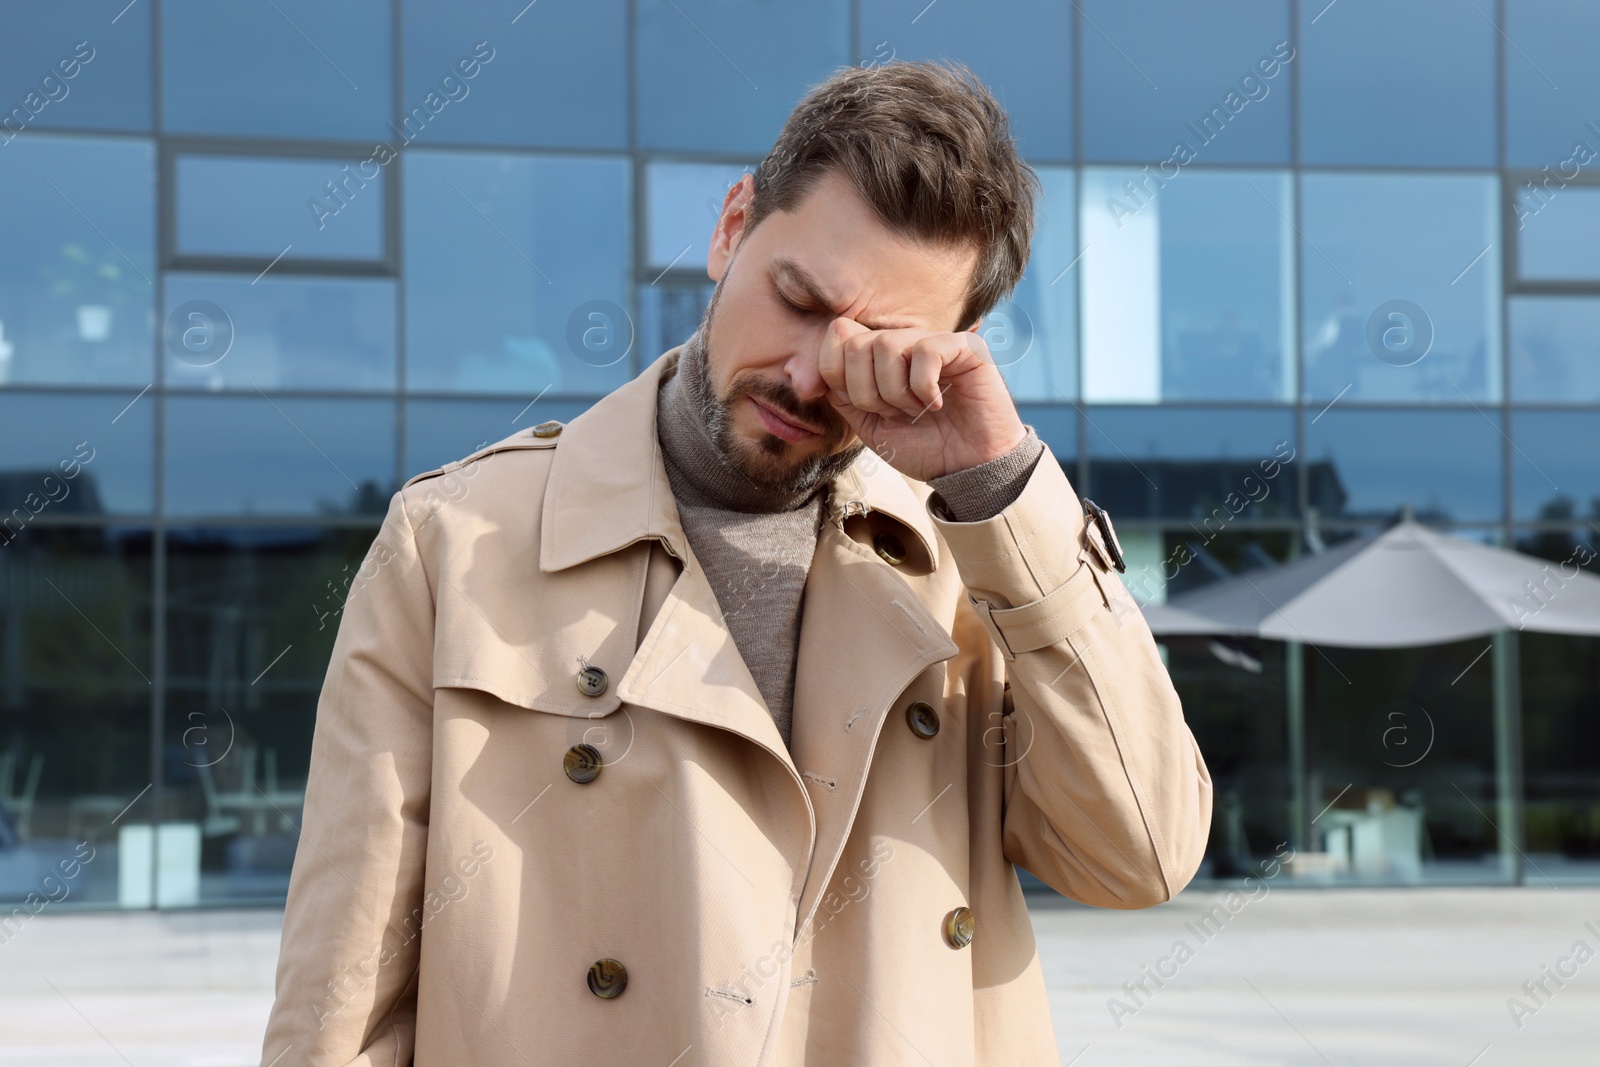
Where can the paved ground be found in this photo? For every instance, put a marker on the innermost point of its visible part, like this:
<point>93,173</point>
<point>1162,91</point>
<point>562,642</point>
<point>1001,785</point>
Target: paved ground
<point>1389,978</point>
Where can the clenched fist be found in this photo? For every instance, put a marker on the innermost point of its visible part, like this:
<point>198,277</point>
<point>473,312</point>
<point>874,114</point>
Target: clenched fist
<point>929,403</point>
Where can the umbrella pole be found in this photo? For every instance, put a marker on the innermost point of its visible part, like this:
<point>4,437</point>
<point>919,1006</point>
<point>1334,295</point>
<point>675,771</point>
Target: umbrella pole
<point>1299,804</point>
<point>1508,753</point>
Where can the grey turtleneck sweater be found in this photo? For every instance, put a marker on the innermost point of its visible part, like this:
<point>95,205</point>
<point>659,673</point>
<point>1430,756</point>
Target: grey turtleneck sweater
<point>756,545</point>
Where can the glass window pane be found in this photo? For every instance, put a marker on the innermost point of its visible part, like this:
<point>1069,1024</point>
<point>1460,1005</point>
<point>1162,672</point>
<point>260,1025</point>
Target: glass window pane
<point>250,455</point>
<point>1188,290</point>
<point>723,75</point>
<point>1552,82</point>
<point>438,431</point>
<point>1396,83</point>
<point>1553,468</point>
<point>75,672</point>
<point>685,203</point>
<point>669,314</point>
<point>517,274</point>
<point>1560,690</point>
<point>258,206</point>
<point>1211,78</point>
<point>501,59</point>
<point>1210,465</point>
<point>1057,426</point>
<point>1369,464</point>
<point>1021,49</point>
<point>233,331</point>
<point>1430,812</point>
<point>77,272</point>
<point>1556,233</point>
<point>291,68</point>
<point>251,619</point>
<point>1555,349</point>
<point>62,66</point>
<point>75,454</point>
<point>1402,287</point>
<point>1033,336</point>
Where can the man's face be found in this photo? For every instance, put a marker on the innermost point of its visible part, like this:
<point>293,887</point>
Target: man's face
<point>778,288</point>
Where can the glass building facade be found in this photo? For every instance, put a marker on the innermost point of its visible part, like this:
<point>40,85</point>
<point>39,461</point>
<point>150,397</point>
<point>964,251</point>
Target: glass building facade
<point>261,263</point>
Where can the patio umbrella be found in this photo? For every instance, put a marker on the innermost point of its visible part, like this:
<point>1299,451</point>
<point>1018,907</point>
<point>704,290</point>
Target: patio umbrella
<point>1409,585</point>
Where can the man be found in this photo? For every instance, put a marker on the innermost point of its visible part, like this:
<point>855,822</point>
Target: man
<point>707,728</point>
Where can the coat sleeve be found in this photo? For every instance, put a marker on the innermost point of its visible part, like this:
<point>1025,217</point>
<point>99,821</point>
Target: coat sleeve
<point>1106,798</point>
<point>345,992</point>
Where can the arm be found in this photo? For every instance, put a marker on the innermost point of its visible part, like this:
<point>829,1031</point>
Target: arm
<point>1107,798</point>
<point>345,993</point>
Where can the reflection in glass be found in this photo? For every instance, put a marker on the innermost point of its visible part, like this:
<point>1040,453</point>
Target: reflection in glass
<point>1562,753</point>
<point>1555,349</point>
<point>75,671</point>
<point>251,619</point>
<point>255,455</point>
<point>291,68</point>
<point>669,314</point>
<point>1552,82</point>
<point>1553,468</point>
<point>1401,287</point>
<point>58,53</point>
<point>1212,77</point>
<point>1388,83</point>
<point>685,203</point>
<point>1033,336</point>
<point>1446,465</point>
<point>517,274</point>
<point>74,454</point>
<point>1188,290</point>
<point>532,61</point>
<point>1020,49</point>
<point>723,78</point>
<point>1211,465</point>
<point>438,431</point>
<point>1556,228</point>
<point>259,206</point>
<point>1402,812</point>
<point>77,267</point>
<point>279,332</point>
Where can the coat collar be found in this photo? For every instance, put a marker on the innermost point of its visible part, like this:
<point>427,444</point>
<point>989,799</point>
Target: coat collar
<point>608,484</point>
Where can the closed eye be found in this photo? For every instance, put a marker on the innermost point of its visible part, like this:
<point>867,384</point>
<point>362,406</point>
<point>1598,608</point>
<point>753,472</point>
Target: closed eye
<point>791,305</point>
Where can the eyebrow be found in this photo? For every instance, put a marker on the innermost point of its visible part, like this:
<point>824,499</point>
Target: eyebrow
<point>807,283</point>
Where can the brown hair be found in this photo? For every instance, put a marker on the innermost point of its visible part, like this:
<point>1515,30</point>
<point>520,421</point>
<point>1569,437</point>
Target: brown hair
<point>929,149</point>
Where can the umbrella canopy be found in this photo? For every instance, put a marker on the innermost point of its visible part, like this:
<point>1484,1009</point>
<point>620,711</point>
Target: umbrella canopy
<point>1409,585</point>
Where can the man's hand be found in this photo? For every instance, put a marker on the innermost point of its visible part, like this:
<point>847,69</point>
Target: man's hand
<point>929,403</point>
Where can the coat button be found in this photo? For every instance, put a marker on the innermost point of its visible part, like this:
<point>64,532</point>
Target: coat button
<point>547,429</point>
<point>607,978</point>
<point>592,681</point>
<point>922,719</point>
<point>958,928</point>
<point>889,547</point>
<point>582,763</point>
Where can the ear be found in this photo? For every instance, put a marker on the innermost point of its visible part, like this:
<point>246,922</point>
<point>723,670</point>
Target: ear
<point>730,226</point>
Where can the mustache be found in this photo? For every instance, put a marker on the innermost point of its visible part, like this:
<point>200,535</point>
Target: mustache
<point>820,414</point>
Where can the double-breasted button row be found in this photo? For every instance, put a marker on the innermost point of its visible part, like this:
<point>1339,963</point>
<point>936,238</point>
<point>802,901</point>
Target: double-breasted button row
<point>607,978</point>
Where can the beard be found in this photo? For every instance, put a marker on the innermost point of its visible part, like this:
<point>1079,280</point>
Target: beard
<point>767,462</point>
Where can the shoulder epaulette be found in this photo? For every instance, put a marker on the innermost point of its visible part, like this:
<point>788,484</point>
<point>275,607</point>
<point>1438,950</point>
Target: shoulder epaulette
<point>544,435</point>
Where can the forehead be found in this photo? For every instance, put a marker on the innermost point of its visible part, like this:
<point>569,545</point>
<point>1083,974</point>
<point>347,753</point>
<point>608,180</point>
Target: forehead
<point>834,250</point>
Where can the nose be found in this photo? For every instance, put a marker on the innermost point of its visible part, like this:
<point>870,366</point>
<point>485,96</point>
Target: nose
<point>805,377</point>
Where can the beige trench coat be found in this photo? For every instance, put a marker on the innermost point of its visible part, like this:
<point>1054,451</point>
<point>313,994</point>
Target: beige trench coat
<point>454,885</point>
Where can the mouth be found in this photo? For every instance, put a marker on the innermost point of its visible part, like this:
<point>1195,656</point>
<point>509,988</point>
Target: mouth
<point>782,425</point>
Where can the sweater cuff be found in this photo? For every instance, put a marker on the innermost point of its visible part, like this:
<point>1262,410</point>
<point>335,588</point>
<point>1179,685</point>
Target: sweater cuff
<point>984,491</point>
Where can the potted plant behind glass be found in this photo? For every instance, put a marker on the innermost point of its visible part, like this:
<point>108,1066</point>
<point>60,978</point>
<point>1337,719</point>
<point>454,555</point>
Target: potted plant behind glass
<point>97,286</point>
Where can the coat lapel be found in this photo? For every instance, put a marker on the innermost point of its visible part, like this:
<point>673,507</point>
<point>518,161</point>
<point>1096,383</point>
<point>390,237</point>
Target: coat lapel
<point>865,636</point>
